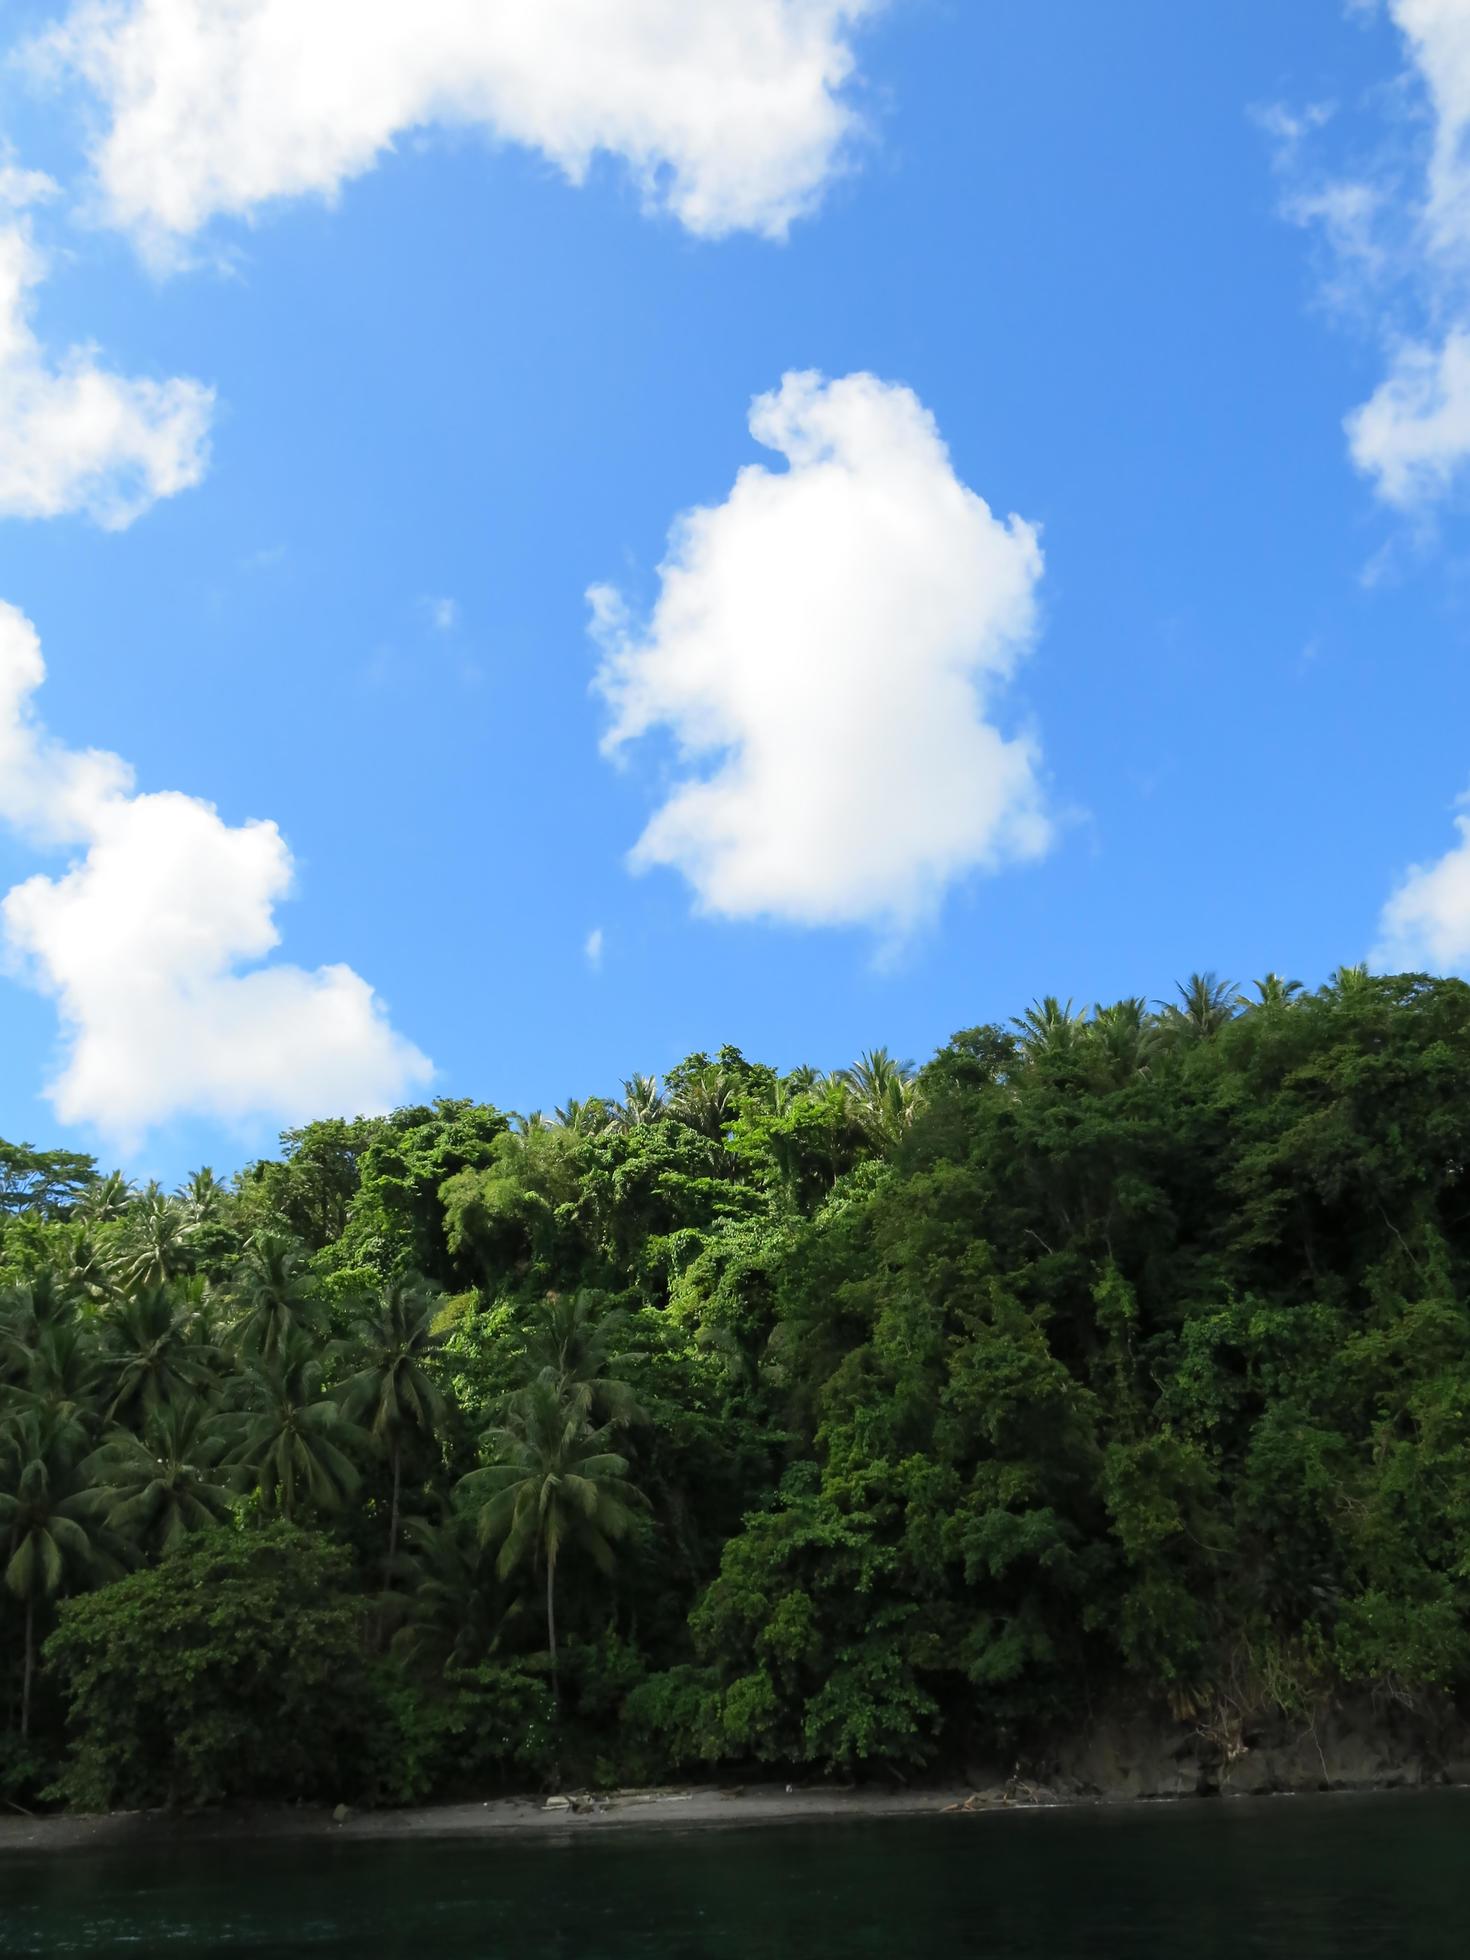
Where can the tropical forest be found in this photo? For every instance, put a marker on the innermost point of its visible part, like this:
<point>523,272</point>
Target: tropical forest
<point>749,1423</point>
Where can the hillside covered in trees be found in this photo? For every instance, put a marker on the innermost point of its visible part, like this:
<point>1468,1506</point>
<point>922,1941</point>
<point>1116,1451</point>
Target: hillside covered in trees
<point>754,1421</point>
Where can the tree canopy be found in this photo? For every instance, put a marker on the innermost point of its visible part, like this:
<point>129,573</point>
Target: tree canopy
<point>1117,1356</point>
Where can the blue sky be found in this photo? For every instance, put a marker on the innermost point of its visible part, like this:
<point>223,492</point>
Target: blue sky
<point>1109,252</point>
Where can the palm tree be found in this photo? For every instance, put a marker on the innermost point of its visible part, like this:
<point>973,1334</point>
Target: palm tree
<point>450,1613</point>
<point>883,1092</point>
<point>61,1371</point>
<point>152,1491</point>
<point>555,1485</point>
<point>1048,1028</point>
<point>642,1103</point>
<point>771,1095</point>
<point>156,1249</point>
<point>202,1197</point>
<point>83,1269</point>
<point>291,1441</point>
<point>392,1390</point>
<point>1207,1003</point>
<point>1348,982</point>
<point>42,1522</point>
<point>570,1346</point>
<point>25,1311</point>
<point>158,1353</point>
<point>804,1080</point>
<point>106,1200</point>
<point>1125,1035</point>
<point>587,1118</point>
<point>1273,991</point>
<point>705,1101</point>
<point>277,1292</point>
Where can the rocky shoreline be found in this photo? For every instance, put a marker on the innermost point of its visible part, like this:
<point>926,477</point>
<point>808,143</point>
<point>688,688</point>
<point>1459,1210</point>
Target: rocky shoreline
<point>1357,1748</point>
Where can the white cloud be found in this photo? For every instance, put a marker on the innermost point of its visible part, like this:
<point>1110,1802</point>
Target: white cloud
<point>1400,238</point>
<point>1413,435</point>
<point>1438,33</point>
<point>74,436</point>
<point>20,187</point>
<point>1425,926</point>
<point>443,614</point>
<point>592,948</point>
<point>150,944</point>
<point>731,116</point>
<point>827,642</point>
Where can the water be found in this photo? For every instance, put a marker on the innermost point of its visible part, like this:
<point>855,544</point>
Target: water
<point>1370,1877</point>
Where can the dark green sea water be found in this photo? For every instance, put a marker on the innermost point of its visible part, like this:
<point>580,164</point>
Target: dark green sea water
<point>1300,1877</point>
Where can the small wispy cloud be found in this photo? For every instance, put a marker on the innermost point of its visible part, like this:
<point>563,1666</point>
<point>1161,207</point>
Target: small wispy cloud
<point>1396,233</point>
<point>1395,228</point>
<point>1287,126</point>
<point>20,187</point>
<point>379,668</point>
<point>592,948</point>
<point>443,614</point>
<point>75,437</point>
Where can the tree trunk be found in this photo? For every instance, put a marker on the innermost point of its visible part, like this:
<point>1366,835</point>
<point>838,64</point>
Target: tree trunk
<point>25,1691</point>
<point>551,1631</point>
<point>393,1513</point>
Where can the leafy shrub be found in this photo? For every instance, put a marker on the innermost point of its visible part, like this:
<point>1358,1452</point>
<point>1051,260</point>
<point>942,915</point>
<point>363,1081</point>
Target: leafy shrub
<point>479,1729</point>
<point>232,1668</point>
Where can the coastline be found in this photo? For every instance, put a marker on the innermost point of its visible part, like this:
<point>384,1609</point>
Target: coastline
<point>682,1807</point>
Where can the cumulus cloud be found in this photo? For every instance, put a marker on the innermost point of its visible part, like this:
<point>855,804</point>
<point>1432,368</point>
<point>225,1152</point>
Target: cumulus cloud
<point>75,437</point>
<point>592,948</point>
<point>1425,926</point>
<point>733,117</point>
<point>151,944</point>
<point>825,649</point>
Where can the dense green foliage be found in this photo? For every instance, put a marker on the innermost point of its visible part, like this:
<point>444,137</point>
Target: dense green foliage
<point>233,1668</point>
<point>755,1419</point>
